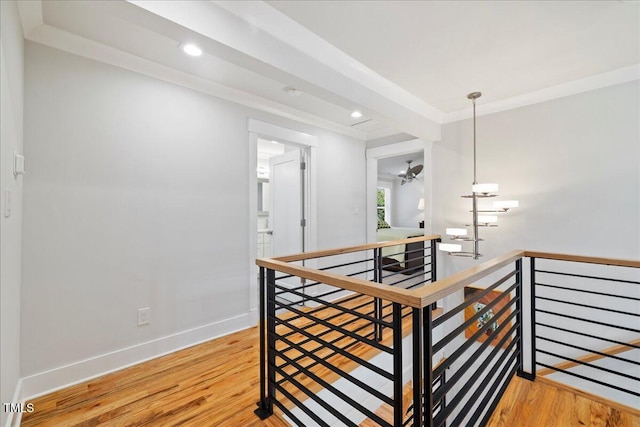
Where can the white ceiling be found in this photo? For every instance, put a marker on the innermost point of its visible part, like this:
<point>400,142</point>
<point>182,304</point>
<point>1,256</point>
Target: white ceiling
<point>392,166</point>
<point>407,65</point>
<point>442,50</point>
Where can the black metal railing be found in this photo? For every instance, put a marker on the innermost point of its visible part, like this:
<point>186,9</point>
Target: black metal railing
<point>335,351</point>
<point>361,331</point>
<point>585,319</point>
<point>482,350</point>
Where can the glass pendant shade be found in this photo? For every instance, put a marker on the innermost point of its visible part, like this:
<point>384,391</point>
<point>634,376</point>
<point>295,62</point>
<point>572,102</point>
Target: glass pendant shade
<point>456,231</point>
<point>480,192</point>
<point>450,247</point>
<point>485,188</point>
<point>505,204</point>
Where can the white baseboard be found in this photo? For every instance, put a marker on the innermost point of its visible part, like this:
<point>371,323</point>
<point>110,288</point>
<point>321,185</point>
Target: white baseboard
<point>74,373</point>
<point>254,316</point>
<point>14,418</point>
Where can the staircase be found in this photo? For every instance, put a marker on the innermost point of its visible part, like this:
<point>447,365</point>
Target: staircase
<point>363,335</point>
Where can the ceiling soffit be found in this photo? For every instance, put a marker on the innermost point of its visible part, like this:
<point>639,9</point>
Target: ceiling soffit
<point>253,53</point>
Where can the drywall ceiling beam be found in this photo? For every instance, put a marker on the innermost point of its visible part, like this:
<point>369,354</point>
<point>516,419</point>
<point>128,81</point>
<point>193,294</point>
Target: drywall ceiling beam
<point>256,36</point>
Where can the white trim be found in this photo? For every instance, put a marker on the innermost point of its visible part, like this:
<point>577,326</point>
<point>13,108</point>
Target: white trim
<point>392,150</point>
<point>428,189</point>
<point>65,376</point>
<point>388,130</point>
<point>372,200</point>
<point>68,42</point>
<point>307,142</point>
<point>265,36</point>
<point>621,75</point>
<point>14,418</point>
<point>30,15</point>
<point>254,283</point>
<point>399,108</point>
<point>398,149</point>
<point>282,134</point>
<point>302,39</point>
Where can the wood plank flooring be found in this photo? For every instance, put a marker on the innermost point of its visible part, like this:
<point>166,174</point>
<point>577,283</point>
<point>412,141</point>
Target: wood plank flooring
<point>540,403</point>
<point>217,384</point>
<point>211,384</point>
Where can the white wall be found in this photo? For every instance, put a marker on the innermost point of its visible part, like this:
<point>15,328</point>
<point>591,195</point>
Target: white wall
<point>137,196</point>
<point>405,199</point>
<point>11,119</point>
<point>573,163</point>
<point>341,191</point>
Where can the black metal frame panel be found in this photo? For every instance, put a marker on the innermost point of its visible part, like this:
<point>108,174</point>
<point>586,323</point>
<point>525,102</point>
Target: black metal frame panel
<point>558,308</point>
<point>466,387</point>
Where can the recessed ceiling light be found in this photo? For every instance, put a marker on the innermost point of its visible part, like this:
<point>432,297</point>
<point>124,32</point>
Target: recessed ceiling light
<point>190,49</point>
<point>356,114</point>
<point>275,142</point>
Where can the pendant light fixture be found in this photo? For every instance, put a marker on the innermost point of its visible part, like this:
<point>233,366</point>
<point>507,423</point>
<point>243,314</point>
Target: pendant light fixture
<point>478,191</point>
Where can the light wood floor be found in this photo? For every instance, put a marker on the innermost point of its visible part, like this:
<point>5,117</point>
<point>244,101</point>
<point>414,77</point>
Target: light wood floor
<point>211,384</point>
<point>541,403</point>
<point>217,384</point>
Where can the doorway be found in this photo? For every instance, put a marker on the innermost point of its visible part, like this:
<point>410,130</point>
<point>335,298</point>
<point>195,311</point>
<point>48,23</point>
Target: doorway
<point>282,196</point>
<point>407,148</point>
<point>281,216</point>
<point>400,191</point>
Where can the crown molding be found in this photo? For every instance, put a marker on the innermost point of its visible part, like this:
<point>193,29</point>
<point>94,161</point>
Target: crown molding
<point>400,108</point>
<point>282,27</point>
<point>267,39</point>
<point>71,43</point>
<point>30,15</point>
<point>611,78</point>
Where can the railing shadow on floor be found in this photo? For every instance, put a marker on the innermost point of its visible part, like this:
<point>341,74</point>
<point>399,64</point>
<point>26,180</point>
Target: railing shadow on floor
<point>361,327</point>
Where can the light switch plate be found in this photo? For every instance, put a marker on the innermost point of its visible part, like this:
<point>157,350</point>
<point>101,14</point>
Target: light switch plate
<point>18,164</point>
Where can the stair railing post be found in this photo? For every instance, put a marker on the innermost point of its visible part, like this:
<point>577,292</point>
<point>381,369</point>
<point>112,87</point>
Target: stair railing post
<point>434,265</point>
<point>265,406</point>
<point>377,302</point>
<point>271,340</point>
<point>533,319</point>
<point>427,342</point>
<point>398,412</point>
<point>519,317</point>
<point>416,324</point>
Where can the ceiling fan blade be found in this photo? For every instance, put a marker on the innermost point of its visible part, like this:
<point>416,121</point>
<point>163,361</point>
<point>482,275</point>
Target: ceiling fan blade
<point>416,170</point>
<point>403,181</point>
<point>402,175</point>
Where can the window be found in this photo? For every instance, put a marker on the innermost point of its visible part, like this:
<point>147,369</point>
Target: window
<point>384,203</point>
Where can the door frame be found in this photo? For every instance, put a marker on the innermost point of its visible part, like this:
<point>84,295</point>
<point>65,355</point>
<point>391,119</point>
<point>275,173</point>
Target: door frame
<point>392,150</point>
<point>309,144</point>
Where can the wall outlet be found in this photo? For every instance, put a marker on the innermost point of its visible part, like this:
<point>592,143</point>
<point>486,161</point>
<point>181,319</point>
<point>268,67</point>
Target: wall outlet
<point>144,316</point>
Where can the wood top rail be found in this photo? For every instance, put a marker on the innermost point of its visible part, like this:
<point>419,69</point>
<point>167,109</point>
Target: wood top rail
<point>441,288</point>
<point>585,259</point>
<point>426,295</point>
<point>351,249</point>
<point>402,296</point>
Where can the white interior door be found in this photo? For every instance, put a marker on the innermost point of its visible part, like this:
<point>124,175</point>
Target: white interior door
<point>285,203</point>
<point>286,212</point>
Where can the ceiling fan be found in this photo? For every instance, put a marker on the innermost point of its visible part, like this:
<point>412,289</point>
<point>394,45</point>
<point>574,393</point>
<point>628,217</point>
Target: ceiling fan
<point>411,173</point>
